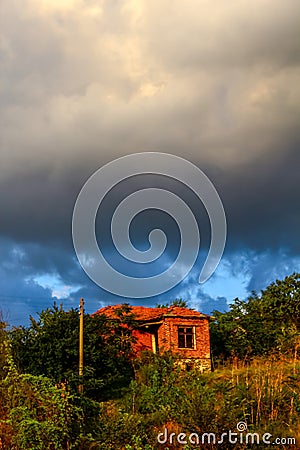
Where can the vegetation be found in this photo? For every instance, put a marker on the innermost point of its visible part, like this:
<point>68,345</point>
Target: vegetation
<point>35,414</point>
<point>262,325</point>
<point>127,402</point>
<point>265,396</point>
<point>179,302</point>
<point>49,347</point>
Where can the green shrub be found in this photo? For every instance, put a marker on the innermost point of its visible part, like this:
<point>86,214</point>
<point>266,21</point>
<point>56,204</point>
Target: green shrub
<point>36,415</point>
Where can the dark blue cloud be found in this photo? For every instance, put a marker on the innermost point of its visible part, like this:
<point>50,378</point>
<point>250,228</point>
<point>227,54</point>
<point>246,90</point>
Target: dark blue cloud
<point>24,271</point>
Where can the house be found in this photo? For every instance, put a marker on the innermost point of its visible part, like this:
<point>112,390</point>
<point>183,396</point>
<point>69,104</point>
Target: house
<point>181,330</point>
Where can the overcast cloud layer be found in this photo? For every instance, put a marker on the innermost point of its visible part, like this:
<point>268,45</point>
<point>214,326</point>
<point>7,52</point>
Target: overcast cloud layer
<point>85,82</point>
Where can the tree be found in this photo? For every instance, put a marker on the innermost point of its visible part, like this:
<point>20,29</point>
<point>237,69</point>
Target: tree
<point>243,331</point>
<point>49,347</point>
<point>261,324</point>
<point>281,308</point>
<point>281,300</point>
<point>177,302</point>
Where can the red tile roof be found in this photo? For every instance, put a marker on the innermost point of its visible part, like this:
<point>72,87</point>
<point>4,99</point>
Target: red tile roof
<point>144,314</point>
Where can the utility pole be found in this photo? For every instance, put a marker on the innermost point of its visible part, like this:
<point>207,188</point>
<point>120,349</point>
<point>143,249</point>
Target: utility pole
<point>81,312</point>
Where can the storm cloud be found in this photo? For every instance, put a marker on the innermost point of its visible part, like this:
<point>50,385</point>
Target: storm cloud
<point>85,82</point>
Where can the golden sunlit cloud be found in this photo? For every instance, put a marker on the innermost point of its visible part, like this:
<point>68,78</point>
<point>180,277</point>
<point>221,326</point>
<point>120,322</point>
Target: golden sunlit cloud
<point>62,6</point>
<point>56,5</point>
<point>149,89</point>
<point>262,93</point>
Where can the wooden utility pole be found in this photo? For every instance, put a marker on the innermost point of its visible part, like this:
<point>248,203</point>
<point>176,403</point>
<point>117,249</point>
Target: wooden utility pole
<point>81,312</point>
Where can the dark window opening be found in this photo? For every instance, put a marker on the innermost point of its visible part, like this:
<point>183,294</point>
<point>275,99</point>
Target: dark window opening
<point>185,337</point>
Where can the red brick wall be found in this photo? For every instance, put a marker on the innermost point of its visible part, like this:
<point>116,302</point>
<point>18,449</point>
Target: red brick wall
<point>143,341</point>
<point>168,337</point>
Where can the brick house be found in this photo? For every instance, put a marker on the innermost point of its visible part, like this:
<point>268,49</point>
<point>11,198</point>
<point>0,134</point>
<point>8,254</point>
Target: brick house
<point>181,330</point>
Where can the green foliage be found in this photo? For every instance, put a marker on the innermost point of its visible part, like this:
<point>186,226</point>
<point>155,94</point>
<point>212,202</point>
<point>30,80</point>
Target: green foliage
<point>264,395</point>
<point>137,444</point>
<point>155,381</point>
<point>177,302</point>
<point>35,414</point>
<point>261,325</point>
<point>283,299</point>
<point>153,393</point>
<point>49,346</point>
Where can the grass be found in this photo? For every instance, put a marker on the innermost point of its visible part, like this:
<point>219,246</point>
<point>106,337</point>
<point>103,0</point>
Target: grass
<point>264,395</point>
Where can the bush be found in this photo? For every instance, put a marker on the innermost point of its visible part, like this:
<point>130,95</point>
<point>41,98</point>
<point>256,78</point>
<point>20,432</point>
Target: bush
<point>36,414</point>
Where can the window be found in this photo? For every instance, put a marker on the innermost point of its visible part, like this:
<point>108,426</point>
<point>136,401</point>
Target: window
<point>186,337</point>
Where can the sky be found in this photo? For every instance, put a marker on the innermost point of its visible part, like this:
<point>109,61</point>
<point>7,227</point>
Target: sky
<point>83,82</point>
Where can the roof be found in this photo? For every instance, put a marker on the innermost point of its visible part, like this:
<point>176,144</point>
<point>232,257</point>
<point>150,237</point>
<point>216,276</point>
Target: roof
<point>145,314</point>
